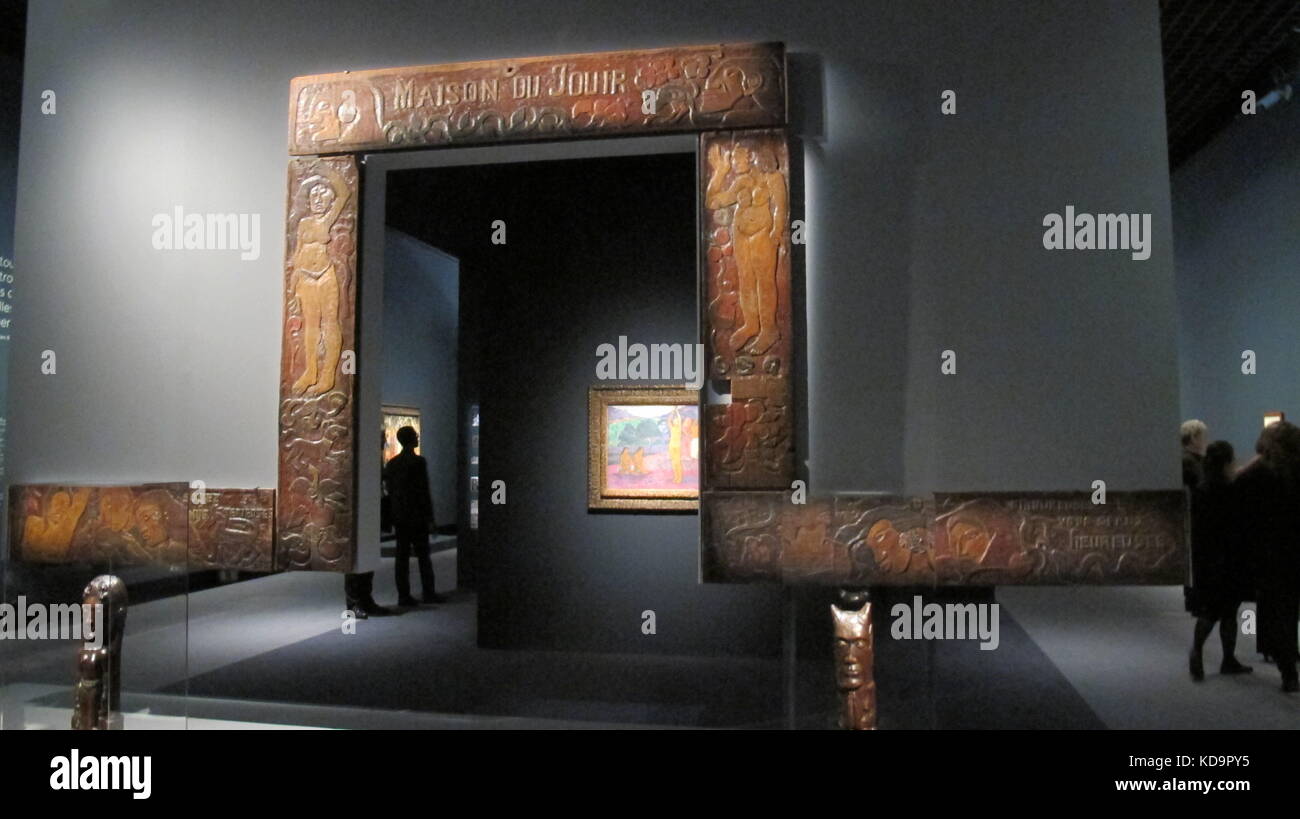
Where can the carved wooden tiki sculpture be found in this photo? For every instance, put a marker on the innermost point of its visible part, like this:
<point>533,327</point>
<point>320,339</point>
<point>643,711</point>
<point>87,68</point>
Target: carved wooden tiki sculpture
<point>854,674</point>
<point>316,512</point>
<point>99,664</point>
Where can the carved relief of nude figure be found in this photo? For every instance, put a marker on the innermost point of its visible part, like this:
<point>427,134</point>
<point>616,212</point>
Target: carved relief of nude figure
<point>48,536</point>
<point>762,211</point>
<point>316,282</point>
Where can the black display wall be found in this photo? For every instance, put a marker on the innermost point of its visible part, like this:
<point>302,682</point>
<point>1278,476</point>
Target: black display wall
<point>13,21</point>
<point>594,249</point>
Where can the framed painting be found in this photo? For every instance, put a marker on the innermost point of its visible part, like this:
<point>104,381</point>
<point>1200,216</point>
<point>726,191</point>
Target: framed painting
<point>643,448</point>
<point>394,419</point>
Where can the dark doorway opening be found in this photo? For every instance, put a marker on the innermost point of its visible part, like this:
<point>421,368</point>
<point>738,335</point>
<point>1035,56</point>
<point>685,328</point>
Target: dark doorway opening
<point>552,259</point>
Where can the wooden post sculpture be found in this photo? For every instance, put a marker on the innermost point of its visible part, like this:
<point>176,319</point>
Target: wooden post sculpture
<point>854,660</point>
<point>99,665</point>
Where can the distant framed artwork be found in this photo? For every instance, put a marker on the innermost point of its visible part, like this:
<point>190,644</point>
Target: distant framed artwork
<point>643,448</point>
<point>1273,417</point>
<point>395,418</point>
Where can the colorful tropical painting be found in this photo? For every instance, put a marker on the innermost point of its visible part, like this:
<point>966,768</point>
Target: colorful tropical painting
<point>646,449</point>
<point>652,448</point>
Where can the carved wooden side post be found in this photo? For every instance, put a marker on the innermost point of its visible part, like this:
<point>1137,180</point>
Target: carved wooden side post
<point>316,509</point>
<point>745,216</point>
<point>98,705</point>
<point>855,660</point>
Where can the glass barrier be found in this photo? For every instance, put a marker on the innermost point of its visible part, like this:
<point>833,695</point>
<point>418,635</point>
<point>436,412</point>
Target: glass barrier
<point>94,622</point>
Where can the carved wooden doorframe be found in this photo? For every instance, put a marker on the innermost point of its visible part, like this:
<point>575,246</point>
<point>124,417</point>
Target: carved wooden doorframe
<point>734,96</point>
<point>752,528</point>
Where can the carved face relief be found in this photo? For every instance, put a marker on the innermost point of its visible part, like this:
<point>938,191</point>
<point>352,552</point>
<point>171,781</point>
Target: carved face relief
<point>320,198</point>
<point>886,543</point>
<point>848,670</point>
<point>115,508</point>
<point>971,540</point>
<point>852,647</point>
<point>740,159</point>
<point>149,517</point>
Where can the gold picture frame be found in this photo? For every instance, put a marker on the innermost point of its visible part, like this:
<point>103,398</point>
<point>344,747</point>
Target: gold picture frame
<point>659,430</point>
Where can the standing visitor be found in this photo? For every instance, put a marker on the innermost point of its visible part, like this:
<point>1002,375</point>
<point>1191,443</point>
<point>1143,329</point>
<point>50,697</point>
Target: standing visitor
<point>1219,569</point>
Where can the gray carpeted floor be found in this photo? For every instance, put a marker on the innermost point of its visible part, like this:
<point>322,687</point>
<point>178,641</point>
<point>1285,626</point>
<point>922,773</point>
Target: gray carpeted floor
<point>426,660</point>
<point>271,649</point>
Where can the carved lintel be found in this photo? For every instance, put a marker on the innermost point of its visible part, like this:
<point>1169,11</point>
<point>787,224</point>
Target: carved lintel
<point>166,524</point>
<point>1060,538</point>
<point>316,509</point>
<point>967,539</point>
<point>575,95</point>
<point>98,698</point>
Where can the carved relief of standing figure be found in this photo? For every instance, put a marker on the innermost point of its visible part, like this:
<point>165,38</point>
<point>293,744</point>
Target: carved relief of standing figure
<point>758,191</point>
<point>99,664</point>
<point>316,282</point>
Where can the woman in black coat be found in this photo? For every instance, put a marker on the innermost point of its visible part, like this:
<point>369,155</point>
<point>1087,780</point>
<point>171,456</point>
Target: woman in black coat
<point>1268,492</point>
<point>1220,574</point>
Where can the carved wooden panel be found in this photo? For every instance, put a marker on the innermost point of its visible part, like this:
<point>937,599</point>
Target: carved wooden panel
<point>316,515</point>
<point>151,524</point>
<point>233,529</point>
<point>974,539</point>
<point>748,318</point>
<point>118,525</point>
<point>1005,538</point>
<point>628,92</point>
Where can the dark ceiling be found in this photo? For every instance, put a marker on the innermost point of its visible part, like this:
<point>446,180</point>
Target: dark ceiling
<point>1213,51</point>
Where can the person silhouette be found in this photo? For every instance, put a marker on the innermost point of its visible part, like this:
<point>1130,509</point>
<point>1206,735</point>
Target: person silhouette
<point>406,477</point>
<point>1220,573</point>
<point>1268,493</point>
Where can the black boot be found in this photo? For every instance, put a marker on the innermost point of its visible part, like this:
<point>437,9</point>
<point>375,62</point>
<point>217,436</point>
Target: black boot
<point>367,597</point>
<point>352,596</point>
<point>359,596</point>
<point>1233,666</point>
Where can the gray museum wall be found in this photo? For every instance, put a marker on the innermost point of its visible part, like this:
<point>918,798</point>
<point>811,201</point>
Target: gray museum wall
<point>1238,252</point>
<point>925,231</point>
<point>421,313</point>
